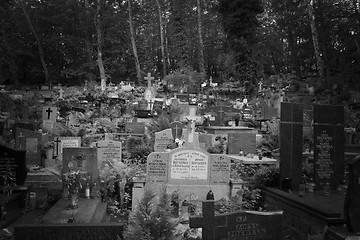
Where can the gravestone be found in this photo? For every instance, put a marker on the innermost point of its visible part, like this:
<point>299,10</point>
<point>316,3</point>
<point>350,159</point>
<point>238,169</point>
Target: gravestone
<point>143,104</point>
<point>29,141</point>
<point>352,199</point>
<point>48,125</point>
<point>134,127</point>
<point>108,151</point>
<point>65,142</point>
<point>207,140</point>
<point>219,114</point>
<point>268,112</point>
<point>291,138</point>
<point>245,141</point>
<point>82,159</point>
<point>189,170</point>
<point>162,140</point>
<point>329,141</point>
<point>72,120</point>
<point>49,113</point>
<point>150,91</point>
<point>15,160</point>
<point>237,225</point>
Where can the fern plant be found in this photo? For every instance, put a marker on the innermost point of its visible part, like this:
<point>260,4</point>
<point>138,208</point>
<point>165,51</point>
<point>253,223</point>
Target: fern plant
<point>151,219</point>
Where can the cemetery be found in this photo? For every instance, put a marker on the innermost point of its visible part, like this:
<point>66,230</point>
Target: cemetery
<point>199,120</point>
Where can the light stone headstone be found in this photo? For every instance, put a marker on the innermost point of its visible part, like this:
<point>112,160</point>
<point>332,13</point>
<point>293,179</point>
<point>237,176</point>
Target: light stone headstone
<point>65,142</point>
<point>108,151</point>
<point>162,140</point>
<point>49,113</point>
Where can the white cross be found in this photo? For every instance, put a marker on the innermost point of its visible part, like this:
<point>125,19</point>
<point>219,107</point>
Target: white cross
<point>149,78</point>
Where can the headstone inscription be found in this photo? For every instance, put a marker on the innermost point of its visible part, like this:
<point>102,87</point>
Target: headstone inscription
<point>29,141</point>
<point>14,161</point>
<point>242,141</point>
<point>189,170</point>
<point>108,151</point>
<point>65,142</point>
<point>49,113</point>
<point>237,225</point>
<point>329,140</point>
<point>162,140</point>
<point>352,199</point>
<point>291,138</point>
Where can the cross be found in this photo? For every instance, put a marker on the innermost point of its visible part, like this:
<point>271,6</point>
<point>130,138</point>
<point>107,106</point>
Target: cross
<point>208,221</point>
<point>61,91</point>
<point>49,111</point>
<point>221,111</point>
<point>191,130</point>
<point>57,141</point>
<point>149,78</point>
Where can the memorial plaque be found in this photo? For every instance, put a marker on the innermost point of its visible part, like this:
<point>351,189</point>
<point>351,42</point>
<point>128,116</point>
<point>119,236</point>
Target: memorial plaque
<point>219,169</point>
<point>176,129</point>
<point>157,165</point>
<point>242,141</point>
<point>162,140</point>
<point>15,160</point>
<point>189,166</point>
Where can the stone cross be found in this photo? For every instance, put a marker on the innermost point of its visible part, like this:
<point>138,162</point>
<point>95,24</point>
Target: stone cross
<point>260,86</point>
<point>61,91</point>
<point>191,130</point>
<point>208,221</point>
<point>149,78</point>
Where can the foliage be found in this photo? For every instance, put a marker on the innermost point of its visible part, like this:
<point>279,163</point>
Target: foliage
<point>72,179</point>
<point>219,148</point>
<point>138,148</point>
<point>151,219</point>
<point>270,142</point>
<point>266,177</point>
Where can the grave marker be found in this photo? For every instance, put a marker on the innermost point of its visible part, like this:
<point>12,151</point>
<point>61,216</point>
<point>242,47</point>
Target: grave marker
<point>238,225</point>
<point>162,140</point>
<point>65,142</point>
<point>49,113</point>
<point>108,151</point>
<point>83,159</point>
<point>134,127</point>
<point>245,141</point>
<point>291,138</point>
<point>157,167</point>
<point>16,161</point>
<point>329,140</point>
<point>29,141</point>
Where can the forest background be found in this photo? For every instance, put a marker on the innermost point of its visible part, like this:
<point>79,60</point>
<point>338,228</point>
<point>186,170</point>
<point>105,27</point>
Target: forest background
<point>73,41</point>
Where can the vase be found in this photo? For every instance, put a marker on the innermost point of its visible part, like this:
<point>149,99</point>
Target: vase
<point>74,198</point>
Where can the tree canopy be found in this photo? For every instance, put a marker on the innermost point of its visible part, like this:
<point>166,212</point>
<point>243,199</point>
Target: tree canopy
<point>59,41</point>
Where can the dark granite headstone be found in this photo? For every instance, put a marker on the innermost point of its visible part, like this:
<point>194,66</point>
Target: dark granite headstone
<point>245,141</point>
<point>2,127</point>
<point>29,141</point>
<point>268,112</point>
<point>291,138</point>
<point>328,145</point>
<point>143,113</point>
<point>352,199</point>
<point>16,160</point>
<point>108,231</point>
<point>237,225</point>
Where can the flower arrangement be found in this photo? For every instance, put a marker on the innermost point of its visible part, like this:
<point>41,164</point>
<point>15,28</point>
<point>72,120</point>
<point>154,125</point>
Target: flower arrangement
<point>176,144</point>
<point>72,179</point>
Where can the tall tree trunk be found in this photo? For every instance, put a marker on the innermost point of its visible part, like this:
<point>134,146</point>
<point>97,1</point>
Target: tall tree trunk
<point>87,41</point>
<point>201,43</point>
<point>99,43</point>
<point>162,42</point>
<point>319,61</point>
<point>133,43</point>
<point>40,48</point>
